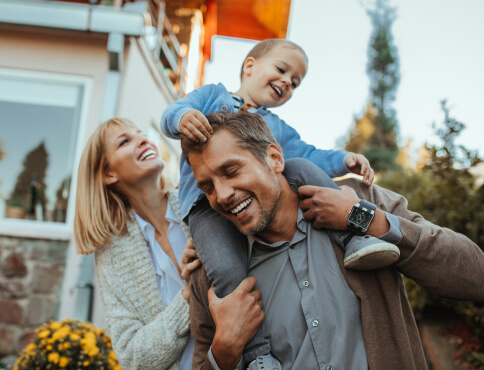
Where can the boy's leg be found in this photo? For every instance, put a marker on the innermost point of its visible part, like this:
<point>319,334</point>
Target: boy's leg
<point>361,252</point>
<point>223,252</point>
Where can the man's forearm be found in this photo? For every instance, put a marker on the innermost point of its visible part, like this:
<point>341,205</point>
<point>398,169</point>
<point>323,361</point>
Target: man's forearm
<point>226,354</point>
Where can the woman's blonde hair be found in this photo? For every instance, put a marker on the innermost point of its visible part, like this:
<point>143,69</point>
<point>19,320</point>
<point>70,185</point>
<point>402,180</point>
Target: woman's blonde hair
<point>101,212</point>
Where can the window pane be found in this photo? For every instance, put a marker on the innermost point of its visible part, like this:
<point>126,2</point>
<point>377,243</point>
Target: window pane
<point>38,132</point>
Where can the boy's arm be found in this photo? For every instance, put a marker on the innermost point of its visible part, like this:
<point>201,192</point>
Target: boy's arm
<point>330,161</point>
<point>170,120</point>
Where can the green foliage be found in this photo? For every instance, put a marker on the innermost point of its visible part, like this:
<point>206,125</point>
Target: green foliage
<point>445,194</point>
<point>380,147</point>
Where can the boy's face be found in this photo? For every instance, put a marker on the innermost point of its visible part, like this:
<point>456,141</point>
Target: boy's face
<point>270,80</point>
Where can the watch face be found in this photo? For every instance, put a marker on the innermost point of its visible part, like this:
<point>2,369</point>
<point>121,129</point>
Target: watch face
<point>360,218</point>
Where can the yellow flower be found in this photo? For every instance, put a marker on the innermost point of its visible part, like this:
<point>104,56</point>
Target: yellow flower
<point>61,333</point>
<point>44,333</point>
<point>49,347</point>
<point>30,347</point>
<point>74,336</point>
<point>85,363</point>
<point>112,356</point>
<point>93,351</point>
<point>67,345</point>
<point>53,357</point>
<point>55,325</point>
<point>63,361</point>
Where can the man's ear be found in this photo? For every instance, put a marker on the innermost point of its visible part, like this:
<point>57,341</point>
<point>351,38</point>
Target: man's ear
<point>248,66</point>
<point>275,158</point>
<point>109,178</point>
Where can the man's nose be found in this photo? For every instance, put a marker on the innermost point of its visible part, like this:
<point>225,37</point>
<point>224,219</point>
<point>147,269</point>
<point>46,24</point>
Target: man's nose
<point>224,192</point>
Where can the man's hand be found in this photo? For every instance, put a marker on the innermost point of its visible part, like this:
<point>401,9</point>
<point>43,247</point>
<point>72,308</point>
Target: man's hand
<point>328,208</point>
<point>358,164</point>
<point>237,318</point>
<point>194,125</point>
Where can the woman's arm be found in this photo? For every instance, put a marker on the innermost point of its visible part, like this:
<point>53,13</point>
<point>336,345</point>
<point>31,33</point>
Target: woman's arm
<point>138,341</point>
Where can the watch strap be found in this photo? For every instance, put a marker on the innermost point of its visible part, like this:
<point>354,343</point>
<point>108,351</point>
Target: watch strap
<point>365,206</point>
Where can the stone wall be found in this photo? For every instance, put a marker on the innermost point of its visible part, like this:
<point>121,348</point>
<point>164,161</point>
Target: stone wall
<point>31,273</point>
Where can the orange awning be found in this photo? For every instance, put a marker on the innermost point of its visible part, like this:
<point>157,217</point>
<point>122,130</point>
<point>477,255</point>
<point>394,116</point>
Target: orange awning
<point>248,19</point>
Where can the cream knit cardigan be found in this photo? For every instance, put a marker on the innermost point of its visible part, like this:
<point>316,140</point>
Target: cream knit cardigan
<point>144,333</point>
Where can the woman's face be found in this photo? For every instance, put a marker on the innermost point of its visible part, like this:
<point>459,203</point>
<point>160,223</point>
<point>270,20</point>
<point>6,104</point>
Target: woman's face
<point>131,157</point>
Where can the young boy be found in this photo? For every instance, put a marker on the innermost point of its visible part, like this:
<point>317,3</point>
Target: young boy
<point>270,73</point>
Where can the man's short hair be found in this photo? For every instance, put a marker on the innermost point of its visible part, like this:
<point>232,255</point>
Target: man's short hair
<point>249,129</point>
<point>265,46</point>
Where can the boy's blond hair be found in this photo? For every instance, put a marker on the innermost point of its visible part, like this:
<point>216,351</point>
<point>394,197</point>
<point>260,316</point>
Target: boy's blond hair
<point>101,212</point>
<point>265,46</point>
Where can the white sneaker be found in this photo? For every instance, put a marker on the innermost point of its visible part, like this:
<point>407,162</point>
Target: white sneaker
<point>266,362</point>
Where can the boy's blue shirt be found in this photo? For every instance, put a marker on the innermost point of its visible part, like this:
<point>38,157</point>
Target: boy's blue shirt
<point>215,98</point>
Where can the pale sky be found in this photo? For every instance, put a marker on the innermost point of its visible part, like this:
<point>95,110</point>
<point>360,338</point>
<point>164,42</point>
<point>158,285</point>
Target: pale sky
<point>441,57</point>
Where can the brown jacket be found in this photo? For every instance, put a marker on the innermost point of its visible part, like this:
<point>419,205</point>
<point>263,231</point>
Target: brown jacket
<point>444,262</point>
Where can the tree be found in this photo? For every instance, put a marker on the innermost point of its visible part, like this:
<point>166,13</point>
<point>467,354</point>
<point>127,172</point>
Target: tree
<point>2,153</point>
<point>30,186</point>
<point>444,192</point>
<point>383,67</point>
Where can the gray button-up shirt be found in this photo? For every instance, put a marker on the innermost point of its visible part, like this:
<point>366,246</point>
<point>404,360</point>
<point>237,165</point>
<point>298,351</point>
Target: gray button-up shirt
<point>324,331</point>
<point>312,316</point>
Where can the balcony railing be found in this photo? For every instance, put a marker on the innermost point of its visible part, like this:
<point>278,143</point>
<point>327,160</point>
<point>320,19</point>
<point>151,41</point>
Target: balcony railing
<point>170,56</point>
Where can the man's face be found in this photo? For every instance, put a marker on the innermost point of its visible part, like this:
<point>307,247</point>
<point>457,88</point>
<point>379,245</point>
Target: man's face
<point>236,183</point>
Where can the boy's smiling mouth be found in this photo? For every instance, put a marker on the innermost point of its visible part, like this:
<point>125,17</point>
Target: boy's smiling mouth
<point>276,89</point>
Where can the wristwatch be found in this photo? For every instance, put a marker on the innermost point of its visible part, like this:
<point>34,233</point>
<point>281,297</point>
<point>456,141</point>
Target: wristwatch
<point>360,217</point>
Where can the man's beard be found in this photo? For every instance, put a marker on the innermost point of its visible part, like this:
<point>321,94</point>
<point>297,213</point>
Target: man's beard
<point>265,215</point>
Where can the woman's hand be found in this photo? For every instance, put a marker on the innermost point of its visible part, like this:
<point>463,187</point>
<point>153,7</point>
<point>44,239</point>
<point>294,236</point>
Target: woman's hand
<point>189,262</point>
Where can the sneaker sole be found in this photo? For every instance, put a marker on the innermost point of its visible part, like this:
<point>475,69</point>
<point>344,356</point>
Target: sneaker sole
<point>373,257</point>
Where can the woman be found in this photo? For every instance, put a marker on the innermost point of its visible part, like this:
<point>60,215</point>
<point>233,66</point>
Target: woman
<point>126,215</point>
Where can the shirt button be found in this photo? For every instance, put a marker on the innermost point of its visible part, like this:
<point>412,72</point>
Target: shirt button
<point>306,283</point>
<point>224,108</point>
<point>329,367</point>
<point>315,322</point>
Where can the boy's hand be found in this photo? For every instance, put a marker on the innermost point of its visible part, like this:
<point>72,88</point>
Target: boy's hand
<point>195,126</point>
<point>358,164</point>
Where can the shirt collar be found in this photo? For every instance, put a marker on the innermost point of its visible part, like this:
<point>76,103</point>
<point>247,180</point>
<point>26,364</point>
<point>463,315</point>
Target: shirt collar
<point>148,230</point>
<point>302,228</point>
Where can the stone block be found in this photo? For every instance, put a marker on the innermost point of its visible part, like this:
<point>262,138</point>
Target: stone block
<point>25,339</point>
<point>12,289</point>
<point>40,310</point>
<point>7,340</point>
<point>13,265</point>
<point>58,253</point>
<point>11,312</point>
<point>46,279</point>
<point>39,250</point>
<point>9,243</point>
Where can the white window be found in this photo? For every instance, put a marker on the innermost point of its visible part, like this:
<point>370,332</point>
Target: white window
<point>40,119</point>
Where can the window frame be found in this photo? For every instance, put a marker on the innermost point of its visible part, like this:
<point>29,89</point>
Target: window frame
<point>49,229</point>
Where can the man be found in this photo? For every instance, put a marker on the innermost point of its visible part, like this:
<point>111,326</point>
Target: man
<point>317,313</point>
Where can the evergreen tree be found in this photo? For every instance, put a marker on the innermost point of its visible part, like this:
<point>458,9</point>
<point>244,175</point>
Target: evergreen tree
<point>30,183</point>
<point>381,146</point>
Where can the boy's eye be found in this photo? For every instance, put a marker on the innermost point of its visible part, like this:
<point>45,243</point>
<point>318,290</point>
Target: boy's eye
<point>280,69</point>
<point>294,85</point>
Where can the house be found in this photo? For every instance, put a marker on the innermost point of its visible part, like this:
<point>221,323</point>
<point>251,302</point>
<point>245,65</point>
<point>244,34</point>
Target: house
<point>66,66</point>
